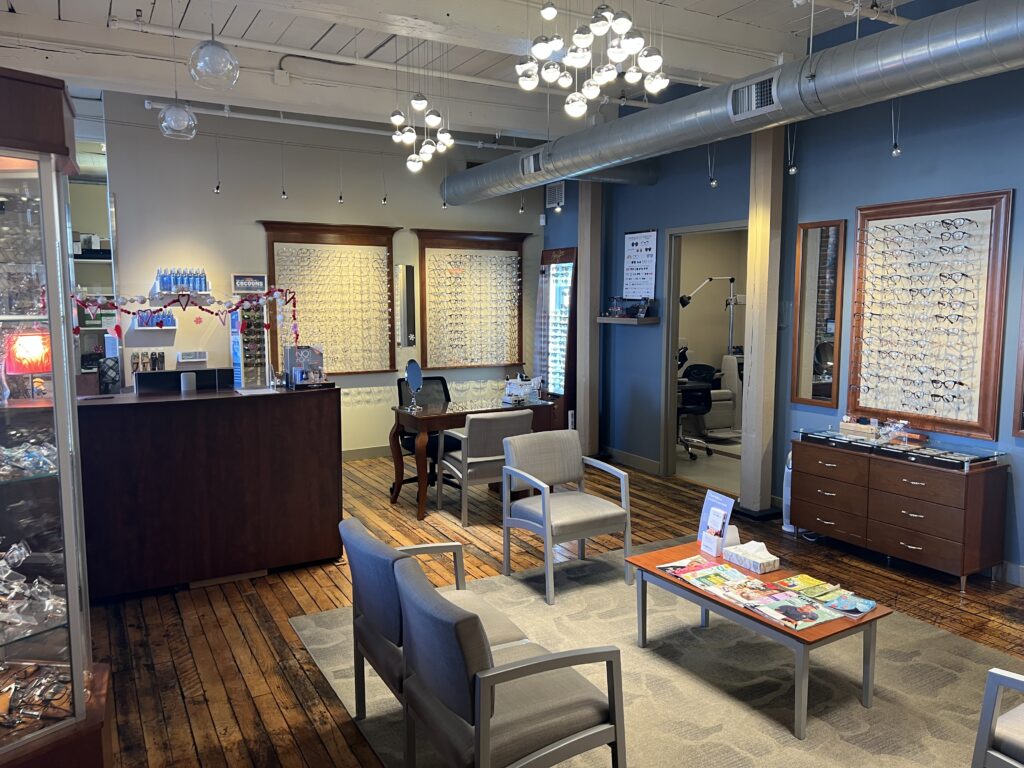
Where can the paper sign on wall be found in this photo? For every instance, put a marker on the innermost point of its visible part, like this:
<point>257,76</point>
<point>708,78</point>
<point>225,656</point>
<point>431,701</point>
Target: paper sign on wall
<point>640,265</point>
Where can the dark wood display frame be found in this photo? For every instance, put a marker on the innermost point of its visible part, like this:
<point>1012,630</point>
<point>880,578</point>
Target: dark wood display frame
<point>1000,205</point>
<point>332,234</point>
<point>568,397</point>
<point>479,241</point>
<point>837,355</point>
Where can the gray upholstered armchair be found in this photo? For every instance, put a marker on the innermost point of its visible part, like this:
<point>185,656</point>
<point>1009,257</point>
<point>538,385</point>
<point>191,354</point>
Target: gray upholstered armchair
<point>377,615</point>
<point>490,706</point>
<point>541,461</point>
<point>1000,741</point>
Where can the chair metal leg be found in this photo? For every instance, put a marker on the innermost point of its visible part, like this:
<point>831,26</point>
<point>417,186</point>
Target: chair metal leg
<point>506,558</point>
<point>627,548</point>
<point>465,502</point>
<point>410,737</point>
<point>581,547</point>
<point>440,489</point>
<point>360,681</point>
<point>549,573</point>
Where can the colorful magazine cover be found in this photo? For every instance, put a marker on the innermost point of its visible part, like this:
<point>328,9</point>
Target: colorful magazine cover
<point>799,583</point>
<point>851,606</point>
<point>680,568</point>
<point>797,612</point>
<point>714,576</point>
<point>826,597</point>
<point>818,591</point>
<point>750,593</point>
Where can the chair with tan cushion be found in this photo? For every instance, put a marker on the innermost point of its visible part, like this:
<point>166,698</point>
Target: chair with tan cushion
<point>378,635</point>
<point>1000,742</point>
<point>484,705</point>
<point>480,456</point>
<point>540,462</point>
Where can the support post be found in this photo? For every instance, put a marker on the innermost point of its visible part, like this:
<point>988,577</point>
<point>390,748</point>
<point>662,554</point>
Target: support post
<point>588,307</point>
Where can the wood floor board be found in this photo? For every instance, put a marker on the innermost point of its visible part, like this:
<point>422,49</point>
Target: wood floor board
<point>217,676</point>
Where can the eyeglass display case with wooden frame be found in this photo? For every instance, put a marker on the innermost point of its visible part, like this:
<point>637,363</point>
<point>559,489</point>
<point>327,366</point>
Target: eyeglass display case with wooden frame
<point>927,332</point>
<point>817,303</point>
<point>325,308</point>
<point>554,341</point>
<point>439,331</point>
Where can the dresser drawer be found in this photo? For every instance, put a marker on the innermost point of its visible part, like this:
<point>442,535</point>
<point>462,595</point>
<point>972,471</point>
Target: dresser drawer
<point>942,486</point>
<point>931,551</point>
<point>832,463</point>
<point>921,516</point>
<point>830,522</point>
<point>833,494</point>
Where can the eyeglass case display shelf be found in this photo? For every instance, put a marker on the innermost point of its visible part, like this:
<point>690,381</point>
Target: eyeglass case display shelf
<point>909,507</point>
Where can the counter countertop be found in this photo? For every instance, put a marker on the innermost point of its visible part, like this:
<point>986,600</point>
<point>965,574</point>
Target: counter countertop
<point>175,397</point>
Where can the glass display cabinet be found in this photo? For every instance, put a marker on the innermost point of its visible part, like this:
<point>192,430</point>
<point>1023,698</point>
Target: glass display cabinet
<point>555,335</point>
<point>44,637</point>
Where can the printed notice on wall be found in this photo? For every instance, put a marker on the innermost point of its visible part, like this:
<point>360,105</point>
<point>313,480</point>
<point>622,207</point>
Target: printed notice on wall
<point>640,265</point>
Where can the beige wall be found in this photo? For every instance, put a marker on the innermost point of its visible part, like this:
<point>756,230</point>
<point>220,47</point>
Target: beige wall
<point>88,204</point>
<point>168,216</point>
<point>705,323</point>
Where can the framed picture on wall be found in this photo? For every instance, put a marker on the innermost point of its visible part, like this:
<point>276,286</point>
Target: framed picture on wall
<point>928,315</point>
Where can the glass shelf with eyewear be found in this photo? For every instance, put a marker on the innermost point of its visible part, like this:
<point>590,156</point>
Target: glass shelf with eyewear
<point>936,452</point>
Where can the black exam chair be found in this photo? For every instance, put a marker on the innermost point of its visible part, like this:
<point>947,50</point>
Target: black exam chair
<point>434,393</point>
<point>693,399</point>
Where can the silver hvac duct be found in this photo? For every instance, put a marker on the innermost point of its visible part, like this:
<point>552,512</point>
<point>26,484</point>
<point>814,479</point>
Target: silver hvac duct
<point>964,43</point>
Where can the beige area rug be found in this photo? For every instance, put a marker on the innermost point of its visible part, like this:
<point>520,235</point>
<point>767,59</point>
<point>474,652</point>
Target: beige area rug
<point>720,697</point>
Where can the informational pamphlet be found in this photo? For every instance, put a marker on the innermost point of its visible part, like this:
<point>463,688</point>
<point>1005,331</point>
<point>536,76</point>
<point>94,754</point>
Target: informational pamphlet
<point>714,521</point>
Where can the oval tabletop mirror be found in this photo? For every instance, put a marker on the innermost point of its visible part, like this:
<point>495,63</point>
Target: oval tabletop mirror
<point>414,378</point>
<point>818,311</point>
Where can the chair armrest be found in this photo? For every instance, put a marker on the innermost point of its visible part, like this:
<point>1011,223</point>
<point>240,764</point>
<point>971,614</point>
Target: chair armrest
<point>997,680</point>
<point>529,479</point>
<point>437,549</point>
<point>614,472</point>
<point>1004,679</point>
<point>456,433</point>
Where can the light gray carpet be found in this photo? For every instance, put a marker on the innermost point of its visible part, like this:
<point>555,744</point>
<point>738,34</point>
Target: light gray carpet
<point>721,697</point>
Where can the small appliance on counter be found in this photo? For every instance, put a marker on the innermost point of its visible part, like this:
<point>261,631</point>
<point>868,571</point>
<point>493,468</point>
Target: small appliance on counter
<point>520,390</point>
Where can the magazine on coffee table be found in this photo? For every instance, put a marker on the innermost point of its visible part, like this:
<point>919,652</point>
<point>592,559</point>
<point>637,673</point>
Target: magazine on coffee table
<point>680,568</point>
<point>750,593</point>
<point>714,576</point>
<point>797,612</point>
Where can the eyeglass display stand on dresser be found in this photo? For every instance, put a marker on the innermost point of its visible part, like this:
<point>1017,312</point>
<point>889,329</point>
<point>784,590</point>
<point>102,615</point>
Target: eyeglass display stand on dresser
<point>947,519</point>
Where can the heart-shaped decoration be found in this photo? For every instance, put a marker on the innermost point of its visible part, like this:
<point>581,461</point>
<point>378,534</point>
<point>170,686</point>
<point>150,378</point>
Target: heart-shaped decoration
<point>184,299</point>
<point>266,326</point>
<point>242,326</point>
<point>222,315</point>
<point>159,323</point>
<point>91,310</point>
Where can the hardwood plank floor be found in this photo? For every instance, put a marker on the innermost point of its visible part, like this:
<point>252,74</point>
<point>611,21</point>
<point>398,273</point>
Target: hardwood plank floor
<point>217,677</point>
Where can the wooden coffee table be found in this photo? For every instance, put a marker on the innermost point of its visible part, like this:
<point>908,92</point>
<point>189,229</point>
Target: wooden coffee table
<point>800,642</point>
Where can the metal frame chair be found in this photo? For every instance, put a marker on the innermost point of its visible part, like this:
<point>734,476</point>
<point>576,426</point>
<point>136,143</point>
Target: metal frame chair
<point>994,728</point>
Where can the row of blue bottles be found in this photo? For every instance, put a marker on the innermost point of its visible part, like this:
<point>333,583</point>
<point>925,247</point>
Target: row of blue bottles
<point>160,319</point>
<point>182,280</point>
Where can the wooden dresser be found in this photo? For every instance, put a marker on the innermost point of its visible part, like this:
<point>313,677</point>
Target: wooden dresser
<point>941,518</point>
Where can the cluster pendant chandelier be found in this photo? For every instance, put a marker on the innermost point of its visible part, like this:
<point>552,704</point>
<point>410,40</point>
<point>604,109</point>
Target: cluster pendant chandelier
<point>434,118</point>
<point>582,67</point>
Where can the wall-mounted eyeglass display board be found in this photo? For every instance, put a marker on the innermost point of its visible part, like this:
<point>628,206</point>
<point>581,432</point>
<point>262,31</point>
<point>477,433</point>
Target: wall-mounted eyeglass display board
<point>928,317</point>
<point>818,309</point>
<point>472,300</point>
<point>343,280</point>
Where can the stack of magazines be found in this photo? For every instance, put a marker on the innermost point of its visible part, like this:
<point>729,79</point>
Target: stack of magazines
<point>797,602</point>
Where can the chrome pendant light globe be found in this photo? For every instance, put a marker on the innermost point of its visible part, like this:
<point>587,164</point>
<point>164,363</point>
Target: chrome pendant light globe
<point>548,11</point>
<point>633,41</point>
<point>557,42</point>
<point>526,64</point>
<point>414,163</point>
<point>419,102</point>
<point>583,37</point>
<point>605,10</point>
<point>441,147</point>
<point>397,118</point>
<point>432,118</point>
<point>565,80</point>
<point>650,59</point>
<point>576,104</point>
<point>529,81</point>
<point>177,121</point>
<point>427,148</point>
<point>591,89</point>
<point>656,82</point>
<point>397,136</point>
<point>577,57</point>
<point>408,135</point>
<point>633,75</point>
<point>605,74</point>
<point>599,25</point>
<point>541,48</point>
<point>551,71</point>
<point>616,51</point>
<point>622,22</point>
<point>213,66</point>
<point>444,136</point>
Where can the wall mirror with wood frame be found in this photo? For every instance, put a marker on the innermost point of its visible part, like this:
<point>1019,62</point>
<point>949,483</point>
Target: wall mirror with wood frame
<point>818,312</point>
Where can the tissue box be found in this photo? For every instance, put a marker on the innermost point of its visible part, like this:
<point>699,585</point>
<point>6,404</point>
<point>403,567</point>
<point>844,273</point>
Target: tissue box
<point>754,556</point>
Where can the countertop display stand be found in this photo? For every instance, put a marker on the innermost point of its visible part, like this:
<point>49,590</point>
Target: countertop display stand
<point>53,700</point>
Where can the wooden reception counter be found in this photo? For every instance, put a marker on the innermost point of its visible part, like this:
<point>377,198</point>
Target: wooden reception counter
<point>185,488</point>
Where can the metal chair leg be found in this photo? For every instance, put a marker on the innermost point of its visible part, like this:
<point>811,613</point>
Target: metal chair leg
<point>549,574</point>
<point>506,566</point>
<point>465,502</point>
<point>410,738</point>
<point>360,681</point>
<point>581,547</point>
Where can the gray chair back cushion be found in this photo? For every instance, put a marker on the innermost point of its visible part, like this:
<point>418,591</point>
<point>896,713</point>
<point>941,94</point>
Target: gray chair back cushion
<point>486,432</point>
<point>445,646</point>
<point>374,592</point>
<point>554,457</point>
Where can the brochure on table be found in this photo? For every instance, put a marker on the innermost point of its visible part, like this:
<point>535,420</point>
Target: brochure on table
<point>714,523</point>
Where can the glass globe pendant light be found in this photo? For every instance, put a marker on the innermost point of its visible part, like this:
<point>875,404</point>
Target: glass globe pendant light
<point>408,135</point>
<point>213,66</point>
<point>441,147</point>
<point>526,64</point>
<point>432,118</point>
<point>583,37</point>
<point>541,48</point>
<point>397,118</point>
<point>606,11</point>
<point>577,57</point>
<point>633,75</point>
<point>419,102</point>
<point>616,52</point>
<point>591,89</point>
<point>576,104</point>
<point>414,163</point>
<point>622,22</point>
<point>427,149</point>
<point>557,42</point>
<point>605,74</point>
<point>397,136</point>
<point>551,71</point>
<point>656,82</point>
<point>633,41</point>
<point>548,11</point>
<point>599,25</point>
<point>650,59</point>
<point>444,137</point>
<point>177,121</point>
<point>565,80</point>
<point>529,81</point>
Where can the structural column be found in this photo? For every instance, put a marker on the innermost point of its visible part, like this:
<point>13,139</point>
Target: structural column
<point>764,236</point>
<point>588,307</point>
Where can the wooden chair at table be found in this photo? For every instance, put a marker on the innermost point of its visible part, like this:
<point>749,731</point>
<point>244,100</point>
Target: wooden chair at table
<point>481,452</point>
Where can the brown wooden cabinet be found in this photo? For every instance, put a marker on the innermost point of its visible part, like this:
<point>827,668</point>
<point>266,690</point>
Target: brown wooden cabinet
<point>941,518</point>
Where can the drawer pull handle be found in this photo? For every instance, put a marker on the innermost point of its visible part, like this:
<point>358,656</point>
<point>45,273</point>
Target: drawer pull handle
<point>913,482</point>
<point>826,464</point>
<point>908,546</point>
<point>911,514</point>
<point>825,493</point>
<point>828,522</point>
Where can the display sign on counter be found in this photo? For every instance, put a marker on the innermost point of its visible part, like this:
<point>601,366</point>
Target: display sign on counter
<point>245,284</point>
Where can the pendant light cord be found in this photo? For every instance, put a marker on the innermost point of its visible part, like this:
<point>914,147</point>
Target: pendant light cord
<point>896,109</point>
<point>712,156</point>
<point>791,142</point>
<point>174,53</point>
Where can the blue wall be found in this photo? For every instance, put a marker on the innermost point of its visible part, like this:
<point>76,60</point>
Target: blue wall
<point>561,230</point>
<point>632,356</point>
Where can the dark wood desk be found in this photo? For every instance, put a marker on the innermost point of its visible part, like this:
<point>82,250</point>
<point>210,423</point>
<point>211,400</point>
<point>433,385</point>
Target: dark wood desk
<point>434,419</point>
